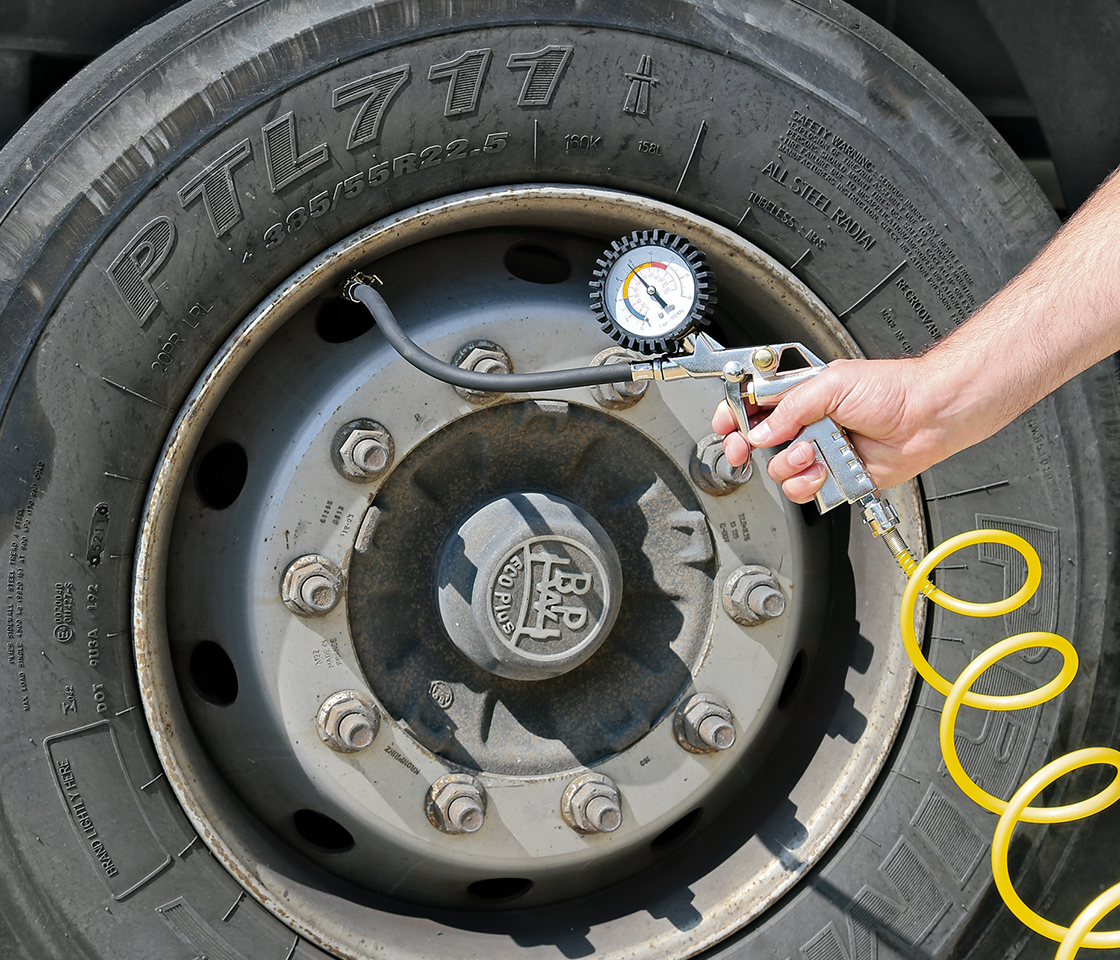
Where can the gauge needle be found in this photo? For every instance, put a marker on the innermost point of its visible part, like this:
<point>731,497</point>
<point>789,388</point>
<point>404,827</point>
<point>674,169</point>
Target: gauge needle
<point>652,291</point>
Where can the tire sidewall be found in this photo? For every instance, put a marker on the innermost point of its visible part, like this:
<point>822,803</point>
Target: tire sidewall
<point>91,395</point>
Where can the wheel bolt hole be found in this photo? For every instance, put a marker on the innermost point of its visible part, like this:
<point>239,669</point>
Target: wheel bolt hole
<point>499,889</point>
<point>793,678</point>
<point>213,674</point>
<point>677,830</point>
<point>322,831</point>
<point>536,263</point>
<point>340,321</point>
<point>221,475</point>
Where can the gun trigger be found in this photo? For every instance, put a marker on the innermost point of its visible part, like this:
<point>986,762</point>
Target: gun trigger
<point>734,394</point>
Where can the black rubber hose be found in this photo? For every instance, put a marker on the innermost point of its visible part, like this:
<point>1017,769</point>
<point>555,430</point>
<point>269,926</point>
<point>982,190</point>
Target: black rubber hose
<point>490,382</point>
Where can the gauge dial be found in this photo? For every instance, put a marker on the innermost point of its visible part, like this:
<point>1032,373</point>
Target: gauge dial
<point>651,289</point>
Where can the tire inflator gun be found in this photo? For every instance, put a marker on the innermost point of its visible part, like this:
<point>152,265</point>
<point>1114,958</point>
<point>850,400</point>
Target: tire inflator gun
<point>762,375</point>
<point>652,292</point>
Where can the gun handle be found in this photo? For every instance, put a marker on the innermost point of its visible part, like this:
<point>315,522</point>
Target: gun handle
<point>846,478</point>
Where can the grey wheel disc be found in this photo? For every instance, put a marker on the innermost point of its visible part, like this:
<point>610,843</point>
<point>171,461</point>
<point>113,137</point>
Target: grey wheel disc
<point>440,711</point>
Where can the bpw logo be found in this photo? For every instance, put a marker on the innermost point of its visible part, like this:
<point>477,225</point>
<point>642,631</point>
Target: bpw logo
<point>553,587</point>
<point>541,594</point>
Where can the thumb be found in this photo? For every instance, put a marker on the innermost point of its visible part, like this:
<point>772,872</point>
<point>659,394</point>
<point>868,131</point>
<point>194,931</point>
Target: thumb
<point>804,404</point>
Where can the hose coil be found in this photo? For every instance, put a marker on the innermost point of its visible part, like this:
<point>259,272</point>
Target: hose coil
<point>959,693</point>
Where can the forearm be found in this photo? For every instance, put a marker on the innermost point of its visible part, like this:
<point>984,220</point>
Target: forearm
<point>1059,316</point>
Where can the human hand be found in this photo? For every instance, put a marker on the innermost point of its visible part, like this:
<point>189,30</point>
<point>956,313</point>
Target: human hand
<point>893,411</point>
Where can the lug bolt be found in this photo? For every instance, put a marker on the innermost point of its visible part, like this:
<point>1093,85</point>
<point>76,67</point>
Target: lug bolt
<point>618,396</point>
<point>711,472</point>
<point>481,356</point>
<point>703,725</point>
<point>347,721</point>
<point>592,804</point>
<point>456,804</point>
<point>312,586</point>
<point>752,595</point>
<point>766,602</point>
<point>362,450</point>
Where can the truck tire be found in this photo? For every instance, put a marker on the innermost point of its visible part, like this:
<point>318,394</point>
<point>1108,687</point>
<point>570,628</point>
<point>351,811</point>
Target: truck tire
<point>195,196</point>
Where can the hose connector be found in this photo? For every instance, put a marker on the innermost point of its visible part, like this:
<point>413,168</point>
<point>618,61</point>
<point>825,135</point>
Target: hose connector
<point>878,514</point>
<point>369,279</point>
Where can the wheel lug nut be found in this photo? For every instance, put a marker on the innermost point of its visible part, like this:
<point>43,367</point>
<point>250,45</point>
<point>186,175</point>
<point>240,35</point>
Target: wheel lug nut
<point>618,396</point>
<point>481,356</point>
<point>711,472</point>
<point>592,804</point>
<point>371,456</point>
<point>456,803</point>
<point>729,475</point>
<point>311,586</point>
<point>347,721</point>
<point>703,725</point>
<point>362,450</point>
<point>752,595</point>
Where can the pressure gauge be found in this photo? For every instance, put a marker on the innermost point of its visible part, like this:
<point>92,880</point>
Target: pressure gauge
<point>651,289</point>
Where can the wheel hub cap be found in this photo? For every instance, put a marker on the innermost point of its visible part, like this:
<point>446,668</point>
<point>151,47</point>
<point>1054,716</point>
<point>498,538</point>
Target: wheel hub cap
<point>529,586</point>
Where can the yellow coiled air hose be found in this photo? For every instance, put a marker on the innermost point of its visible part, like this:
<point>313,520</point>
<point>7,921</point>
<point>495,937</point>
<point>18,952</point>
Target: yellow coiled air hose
<point>1080,933</point>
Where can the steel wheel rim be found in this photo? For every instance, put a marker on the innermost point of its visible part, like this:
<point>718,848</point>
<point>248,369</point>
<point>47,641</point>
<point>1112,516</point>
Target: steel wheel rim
<point>183,757</point>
